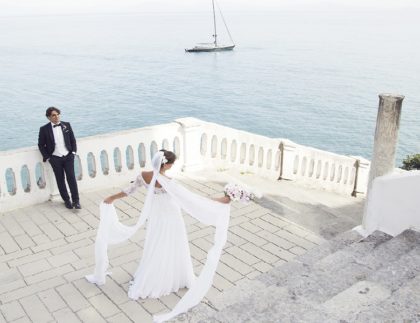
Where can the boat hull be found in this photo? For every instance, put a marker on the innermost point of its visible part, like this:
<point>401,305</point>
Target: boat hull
<point>209,49</point>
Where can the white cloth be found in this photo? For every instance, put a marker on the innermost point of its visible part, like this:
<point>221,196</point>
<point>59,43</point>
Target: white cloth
<point>209,212</point>
<point>60,146</point>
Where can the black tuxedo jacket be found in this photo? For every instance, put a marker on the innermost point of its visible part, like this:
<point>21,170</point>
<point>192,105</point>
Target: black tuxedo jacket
<point>46,141</point>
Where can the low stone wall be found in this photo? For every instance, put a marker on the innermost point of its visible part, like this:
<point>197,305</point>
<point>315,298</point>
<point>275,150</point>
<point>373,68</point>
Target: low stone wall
<point>116,158</point>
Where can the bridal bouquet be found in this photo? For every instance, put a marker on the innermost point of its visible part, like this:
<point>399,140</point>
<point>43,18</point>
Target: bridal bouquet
<point>239,193</point>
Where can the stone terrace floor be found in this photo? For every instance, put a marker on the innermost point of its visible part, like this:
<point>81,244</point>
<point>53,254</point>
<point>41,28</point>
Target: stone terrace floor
<point>46,250</point>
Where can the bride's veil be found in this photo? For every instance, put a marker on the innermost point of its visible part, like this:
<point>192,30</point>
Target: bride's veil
<point>112,231</point>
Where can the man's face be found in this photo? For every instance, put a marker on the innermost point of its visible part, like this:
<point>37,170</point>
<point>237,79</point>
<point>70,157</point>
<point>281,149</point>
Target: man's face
<point>54,117</point>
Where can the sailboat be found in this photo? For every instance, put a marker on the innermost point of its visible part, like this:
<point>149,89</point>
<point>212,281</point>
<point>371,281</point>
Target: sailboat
<point>214,46</point>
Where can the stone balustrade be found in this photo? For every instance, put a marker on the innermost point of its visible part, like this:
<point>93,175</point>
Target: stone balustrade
<point>116,158</point>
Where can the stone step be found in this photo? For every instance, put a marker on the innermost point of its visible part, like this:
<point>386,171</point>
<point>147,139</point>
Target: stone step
<point>344,268</point>
<point>378,289</point>
<point>247,288</point>
<point>303,263</point>
<point>310,290</point>
<point>402,306</point>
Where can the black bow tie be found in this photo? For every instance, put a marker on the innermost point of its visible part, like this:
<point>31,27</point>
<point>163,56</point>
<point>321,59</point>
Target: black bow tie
<point>57,125</point>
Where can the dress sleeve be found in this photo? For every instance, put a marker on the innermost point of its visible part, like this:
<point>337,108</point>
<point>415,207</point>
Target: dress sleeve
<point>134,185</point>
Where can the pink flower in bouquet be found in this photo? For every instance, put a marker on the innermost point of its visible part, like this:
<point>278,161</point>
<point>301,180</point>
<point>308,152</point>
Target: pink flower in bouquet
<point>238,193</point>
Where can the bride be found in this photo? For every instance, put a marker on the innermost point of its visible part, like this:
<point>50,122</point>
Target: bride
<point>166,265</point>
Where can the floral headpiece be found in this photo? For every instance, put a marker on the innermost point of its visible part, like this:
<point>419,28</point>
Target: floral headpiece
<point>164,160</point>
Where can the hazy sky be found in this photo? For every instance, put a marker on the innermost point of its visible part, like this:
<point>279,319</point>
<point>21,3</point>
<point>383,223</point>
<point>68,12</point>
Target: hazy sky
<point>29,7</point>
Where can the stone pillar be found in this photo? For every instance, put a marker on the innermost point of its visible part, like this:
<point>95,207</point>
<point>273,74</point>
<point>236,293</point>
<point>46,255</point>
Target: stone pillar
<point>192,159</point>
<point>386,136</point>
<point>385,145</point>
<point>51,182</point>
<point>287,156</point>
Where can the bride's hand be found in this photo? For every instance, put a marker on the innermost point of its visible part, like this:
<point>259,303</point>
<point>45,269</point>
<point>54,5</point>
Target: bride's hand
<point>109,200</point>
<point>224,199</point>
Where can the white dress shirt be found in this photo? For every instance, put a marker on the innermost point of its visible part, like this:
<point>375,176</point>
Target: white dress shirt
<point>60,147</point>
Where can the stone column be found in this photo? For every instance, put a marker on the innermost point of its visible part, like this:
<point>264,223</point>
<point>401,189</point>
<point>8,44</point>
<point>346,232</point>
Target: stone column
<point>385,145</point>
<point>191,128</point>
<point>288,151</point>
<point>386,135</point>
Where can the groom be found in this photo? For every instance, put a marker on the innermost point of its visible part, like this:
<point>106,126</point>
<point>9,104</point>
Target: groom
<point>57,144</point>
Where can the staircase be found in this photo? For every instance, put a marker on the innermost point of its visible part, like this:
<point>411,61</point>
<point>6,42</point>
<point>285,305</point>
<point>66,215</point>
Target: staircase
<point>347,279</point>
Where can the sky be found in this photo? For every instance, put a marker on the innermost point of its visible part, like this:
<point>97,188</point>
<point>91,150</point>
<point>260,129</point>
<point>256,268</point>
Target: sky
<point>52,7</point>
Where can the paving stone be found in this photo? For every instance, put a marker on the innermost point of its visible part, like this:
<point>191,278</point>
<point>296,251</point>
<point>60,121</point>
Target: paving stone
<point>236,264</point>
<point>31,289</point>
<point>24,241</point>
<point>40,239</point>
<point>238,220</point>
<point>20,254</point>
<point>74,246</point>
<point>47,274</point>
<point>221,283</point>
<point>242,255</point>
<point>34,267</point>
<point>28,258</point>
<point>63,259</point>
<point>275,239</point>
<point>262,267</point>
<point>9,276</point>
<point>250,237</point>
<point>152,305</point>
<point>51,231</point>
<point>279,252</point>
<point>115,292</point>
<point>12,311</point>
<point>260,253</point>
<point>11,286</point>
<point>104,305</point>
<point>90,315</point>
<point>297,240</point>
<point>119,318</point>
<point>49,245</point>
<point>266,226</point>
<point>250,227</point>
<point>12,227</point>
<point>74,299</point>
<point>24,319</point>
<point>8,243</point>
<point>136,312</point>
<point>171,300</point>
<point>52,300</point>
<point>228,272</point>
<point>66,315</point>
<point>35,309</point>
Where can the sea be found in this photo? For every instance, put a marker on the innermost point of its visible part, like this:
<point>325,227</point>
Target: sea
<point>309,76</point>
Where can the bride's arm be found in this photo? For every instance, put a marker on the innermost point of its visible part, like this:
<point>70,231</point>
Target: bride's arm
<point>112,198</point>
<point>224,199</point>
<point>128,191</point>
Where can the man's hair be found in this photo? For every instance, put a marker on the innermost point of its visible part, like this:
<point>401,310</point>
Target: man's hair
<point>50,110</point>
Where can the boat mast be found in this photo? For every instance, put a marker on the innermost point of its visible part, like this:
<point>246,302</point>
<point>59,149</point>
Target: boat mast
<point>214,23</point>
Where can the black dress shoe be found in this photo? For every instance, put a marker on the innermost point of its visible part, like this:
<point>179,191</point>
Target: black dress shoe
<point>77,205</point>
<point>68,204</point>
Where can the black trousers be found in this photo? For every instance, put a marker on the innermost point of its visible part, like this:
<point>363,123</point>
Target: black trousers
<point>63,168</point>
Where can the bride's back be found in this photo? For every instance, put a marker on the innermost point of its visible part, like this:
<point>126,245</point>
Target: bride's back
<point>147,177</point>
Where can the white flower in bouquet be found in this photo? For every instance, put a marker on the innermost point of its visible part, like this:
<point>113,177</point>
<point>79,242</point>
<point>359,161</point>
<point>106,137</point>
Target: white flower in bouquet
<point>239,193</point>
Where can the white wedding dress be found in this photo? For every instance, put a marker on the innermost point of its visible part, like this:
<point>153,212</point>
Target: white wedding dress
<point>166,265</point>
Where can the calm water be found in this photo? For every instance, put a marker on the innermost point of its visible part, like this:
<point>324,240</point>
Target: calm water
<point>310,77</point>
